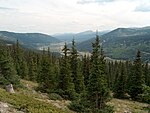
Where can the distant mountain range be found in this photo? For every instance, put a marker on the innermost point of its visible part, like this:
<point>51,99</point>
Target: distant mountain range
<point>30,40</point>
<point>123,43</point>
<point>79,37</point>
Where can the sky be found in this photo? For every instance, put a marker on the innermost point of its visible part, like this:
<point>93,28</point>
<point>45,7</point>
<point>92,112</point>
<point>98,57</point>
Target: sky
<point>65,16</point>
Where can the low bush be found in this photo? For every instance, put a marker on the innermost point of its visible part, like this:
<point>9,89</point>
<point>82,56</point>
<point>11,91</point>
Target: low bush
<point>55,96</point>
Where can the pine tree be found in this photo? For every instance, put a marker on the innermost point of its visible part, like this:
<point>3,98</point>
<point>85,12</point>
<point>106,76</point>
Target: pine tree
<point>136,78</point>
<point>77,76</point>
<point>33,70</point>
<point>47,76</point>
<point>147,74</point>
<point>86,69</point>
<point>79,83</point>
<point>8,74</point>
<point>97,88</point>
<point>120,86</point>
<point>65,79</point>
<point>20,63</point>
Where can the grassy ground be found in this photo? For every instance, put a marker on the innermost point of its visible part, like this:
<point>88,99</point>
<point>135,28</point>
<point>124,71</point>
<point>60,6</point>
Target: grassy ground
<point>29,101</point>
<point>127,106</point>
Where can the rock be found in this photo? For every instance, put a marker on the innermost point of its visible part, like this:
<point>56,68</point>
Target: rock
<point>3,107</point>
<point>10,89</point>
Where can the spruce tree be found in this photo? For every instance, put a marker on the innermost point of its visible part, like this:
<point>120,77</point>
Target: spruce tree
<point>77,75</point>
<point>33,69</point>
<point>136,78</point>
<point>120,86</point>
<point>20,62</point>
<point>147,74</point>
<point>47,76</point>
<point>65,79</point>
<point>86,69</point>
<point>8,74</point>
<point>97,88</point>
<point>79,83</point>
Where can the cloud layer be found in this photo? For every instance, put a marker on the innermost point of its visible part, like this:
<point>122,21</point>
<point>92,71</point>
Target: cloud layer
<point>93,1</point>
<point>58,16</point>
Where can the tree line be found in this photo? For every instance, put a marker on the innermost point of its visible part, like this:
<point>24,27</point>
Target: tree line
<point>90,81</point>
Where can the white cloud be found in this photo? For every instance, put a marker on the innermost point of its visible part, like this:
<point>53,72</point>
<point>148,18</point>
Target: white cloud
<point>93,1</point>
<point>144,6</point>
<point>54,16</point>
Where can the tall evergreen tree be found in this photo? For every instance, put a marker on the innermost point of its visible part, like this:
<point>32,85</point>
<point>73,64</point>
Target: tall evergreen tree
<point>47,76</point>
<point>33,69</point>
<point>65,79</point>
<point>147,74</point>
<point>120,86</point>
<point>136,78</point>
<point>97,88</point>
<point>8,74</point>
<point>79,83</point>
<point>20,63</point>
<point>86,69</point>
<point>77,75</point>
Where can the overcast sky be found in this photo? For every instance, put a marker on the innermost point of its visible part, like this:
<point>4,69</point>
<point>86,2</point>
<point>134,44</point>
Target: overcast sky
<point>59,16</point>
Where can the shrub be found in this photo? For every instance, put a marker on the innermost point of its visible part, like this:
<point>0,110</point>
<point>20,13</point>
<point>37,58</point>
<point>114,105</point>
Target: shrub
<point>55,96</point>
<point>145,96</point>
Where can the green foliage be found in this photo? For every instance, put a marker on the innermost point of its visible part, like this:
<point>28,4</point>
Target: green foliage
<point>147,74</point>
<point>55,96</point>
<point>77,75</point>
<point>145,96</point>
<point>8,74</point>
<point>28,104</point>
<point>86,67</point>
<point>66,84</point>
<point>120,86</point>
<point>98,92</point>
<point>137,78</point>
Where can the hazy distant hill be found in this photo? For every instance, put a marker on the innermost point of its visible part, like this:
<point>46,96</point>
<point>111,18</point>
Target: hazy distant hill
<point>28,39</point>
<point>122,43</point>
<point>79,37</point>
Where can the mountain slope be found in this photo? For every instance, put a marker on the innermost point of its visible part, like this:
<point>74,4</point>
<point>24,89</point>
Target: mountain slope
<point>79,37</point>
<point>28,39</point>
<point>123,43</point>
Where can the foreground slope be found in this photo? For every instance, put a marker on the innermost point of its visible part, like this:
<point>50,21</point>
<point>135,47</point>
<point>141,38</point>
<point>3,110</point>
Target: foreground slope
<point>27,99</point>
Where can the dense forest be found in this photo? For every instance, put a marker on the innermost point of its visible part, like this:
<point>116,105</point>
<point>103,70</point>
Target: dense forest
<point>89,81</point>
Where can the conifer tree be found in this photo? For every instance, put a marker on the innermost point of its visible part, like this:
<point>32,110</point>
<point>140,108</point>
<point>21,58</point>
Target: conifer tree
<point>77,75</point>
<point>120,86</point>
<point>32,69</point>
<point>65,79</point>
<point>86,69</point>
<point>79,83</point>
<point>97,88</point>
<point>47,76</point>
<point>136,78</point>
<point>20,63</point>
<point>8,74</point>
<point>147,74</point>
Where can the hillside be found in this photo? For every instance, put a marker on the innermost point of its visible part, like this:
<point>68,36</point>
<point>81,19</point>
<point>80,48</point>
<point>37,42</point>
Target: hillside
<point>28,100</point>
<point>123,43</point>
<point>29,40</point>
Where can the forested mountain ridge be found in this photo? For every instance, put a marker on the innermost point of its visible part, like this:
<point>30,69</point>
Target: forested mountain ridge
<point>79,37</point>
<point>30,40</point>
<point>123,43</point>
